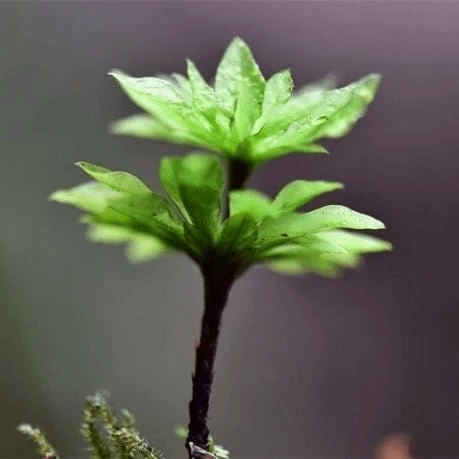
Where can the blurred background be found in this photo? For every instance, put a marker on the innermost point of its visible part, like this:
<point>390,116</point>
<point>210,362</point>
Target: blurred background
<point>307,367</point>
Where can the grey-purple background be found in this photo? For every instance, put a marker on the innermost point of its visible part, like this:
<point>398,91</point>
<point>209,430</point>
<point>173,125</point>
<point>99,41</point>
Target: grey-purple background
<point>307,367</point>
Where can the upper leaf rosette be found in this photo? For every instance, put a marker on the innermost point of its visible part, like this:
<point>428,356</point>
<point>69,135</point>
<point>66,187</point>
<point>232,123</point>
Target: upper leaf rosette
<point>242,116</point>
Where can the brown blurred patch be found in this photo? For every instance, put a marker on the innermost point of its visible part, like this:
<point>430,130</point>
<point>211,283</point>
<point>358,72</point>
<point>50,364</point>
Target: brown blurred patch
<point>396,446</point>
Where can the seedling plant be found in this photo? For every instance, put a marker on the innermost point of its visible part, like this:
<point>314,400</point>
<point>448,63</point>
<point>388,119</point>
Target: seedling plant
<point>205,211</point>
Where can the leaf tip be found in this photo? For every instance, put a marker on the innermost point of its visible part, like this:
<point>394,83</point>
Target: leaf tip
<point>237,40</point>
<point>378,224</point>
<point>82,165</point>
<point>373,81</point>
<point>114,72</point>
<point>57,196</point>
<point>119,75</point>
<point>389,247</point>
<point>113,127</point>
<point>52,196</point>
<point>116,127</point>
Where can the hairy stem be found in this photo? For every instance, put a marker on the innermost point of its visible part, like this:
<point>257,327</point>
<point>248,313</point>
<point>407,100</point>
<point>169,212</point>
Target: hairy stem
<point>216,291</point>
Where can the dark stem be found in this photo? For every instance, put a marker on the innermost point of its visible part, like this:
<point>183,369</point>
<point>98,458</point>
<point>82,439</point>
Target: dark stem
<point>219,276</point>
<point>238,172</point>
<point>216,291</point>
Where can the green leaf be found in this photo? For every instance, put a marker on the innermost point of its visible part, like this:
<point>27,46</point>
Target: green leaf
<point>142,247</point>
<point>361,94</point>
<point>121,199</point>
<point>195,185</point>
<point>324,218</point>
<point>247,109</point>
<point>327,254</point>
<point>180,83</point>
<point>252,202</point>
<point>311,254</point>
<point>157,96</point>
<point>169,177</point>
<point>278,119</point>
<point>203,97</point>
<point>145,209</point>
<point>117,180</point>
<point>238,72</point>
<point>205,101</point>
<point>144,126</point>
<point>337,216</point>
<point>288,267</point>
<point>152,214</point>
<point>312,91</point>
<point>169,103</point>
<point>278,91</point>
<point>109,234</point>
<point>239,232</point>
<point>92,197</point>
<point>355,243</point>
<point>140,126</point>
<point>272,149</point>
<point>331,113</point>
<point>318,265</point>
<point>300,192</point>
